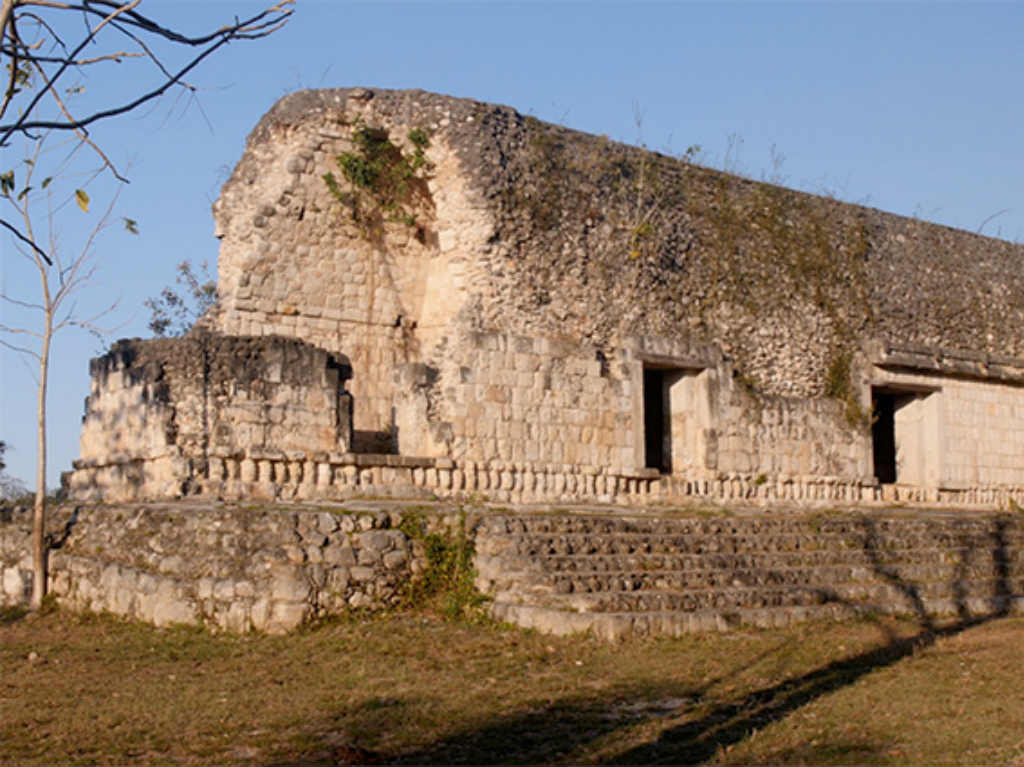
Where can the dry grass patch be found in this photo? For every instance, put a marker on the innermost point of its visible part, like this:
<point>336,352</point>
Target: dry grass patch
<point>413,688</point>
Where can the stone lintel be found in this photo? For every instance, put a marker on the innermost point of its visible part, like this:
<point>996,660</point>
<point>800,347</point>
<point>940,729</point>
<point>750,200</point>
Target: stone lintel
<point>955,363</point>
<point>671,362</point>
<point>639,473</point>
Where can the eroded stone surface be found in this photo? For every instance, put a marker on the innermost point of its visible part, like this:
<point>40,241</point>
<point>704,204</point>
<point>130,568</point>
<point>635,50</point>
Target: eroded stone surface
<point>611,573</point>
<point>570,319</point>
<point>238,571</point>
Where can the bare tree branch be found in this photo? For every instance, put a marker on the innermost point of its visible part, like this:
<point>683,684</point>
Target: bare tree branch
<point>19,331</point>
<point>27,241</point>
<point>23,304</point>
<point>20,349</point>
<point>115,57</point>
<point>23,122</point>
<point>260,25</point>
<point>38,58</point>
<point>82,134</point>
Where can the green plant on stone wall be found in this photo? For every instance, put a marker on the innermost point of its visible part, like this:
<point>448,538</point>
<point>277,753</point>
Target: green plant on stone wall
<point>447,582</point>
<point>380,183</point>
<point>839,385</point>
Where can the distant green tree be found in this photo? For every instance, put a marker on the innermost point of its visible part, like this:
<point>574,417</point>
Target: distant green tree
<point>175,311</point>
<point>10,487</point>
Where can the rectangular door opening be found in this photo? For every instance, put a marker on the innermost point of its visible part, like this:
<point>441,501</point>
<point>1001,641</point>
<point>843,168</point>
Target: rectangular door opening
<point>675,418</point>
<point>657,428</point>
<point>883,436</point>
<point>905,436</point>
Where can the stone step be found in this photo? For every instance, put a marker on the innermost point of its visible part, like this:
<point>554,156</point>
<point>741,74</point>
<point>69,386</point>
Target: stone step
<point>643,543</point>
<point>618,625</point>
<point>613,626</point>
<point>689,600</point>
<point>820,577</point>
<point>680,562</point>
<point>669,575</point>
<point>760,526</point>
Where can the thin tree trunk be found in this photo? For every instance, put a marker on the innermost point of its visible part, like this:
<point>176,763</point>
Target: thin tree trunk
<point>39,552</point>
<point>5,14</point>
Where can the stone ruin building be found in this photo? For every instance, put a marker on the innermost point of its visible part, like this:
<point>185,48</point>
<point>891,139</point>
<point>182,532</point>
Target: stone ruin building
<point>428,295</point>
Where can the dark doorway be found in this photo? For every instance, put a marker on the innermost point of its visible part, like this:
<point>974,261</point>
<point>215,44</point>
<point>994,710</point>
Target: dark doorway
<point>655,420</point>
<point>883,435</point>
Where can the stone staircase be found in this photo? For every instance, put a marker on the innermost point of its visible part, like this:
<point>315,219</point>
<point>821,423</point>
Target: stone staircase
<point>616,575</point>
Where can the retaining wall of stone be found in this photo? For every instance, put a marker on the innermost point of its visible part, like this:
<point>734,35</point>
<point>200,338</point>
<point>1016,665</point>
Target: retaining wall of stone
<point>272,568</point>
<point>230,568</point>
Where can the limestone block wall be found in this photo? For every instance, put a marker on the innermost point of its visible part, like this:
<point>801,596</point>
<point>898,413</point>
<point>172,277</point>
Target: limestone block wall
<point>788,436</point>
<point>228,568</point>
<point>539,401</point>
<point>273,568</point>
<point>162,415</point>
<point>959,433</point>
<point>294,263</point>
<point>547,406</point>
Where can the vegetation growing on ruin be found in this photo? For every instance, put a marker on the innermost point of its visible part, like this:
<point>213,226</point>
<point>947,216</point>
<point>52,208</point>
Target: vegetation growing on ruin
<point>723,258</point>
<point>175,311</point>
<point>448,581</point>
<point>382,183</point>
<point>839,384</point>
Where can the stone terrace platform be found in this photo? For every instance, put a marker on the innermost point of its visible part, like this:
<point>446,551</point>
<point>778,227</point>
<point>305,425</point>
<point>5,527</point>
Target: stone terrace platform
<point>612,571</point>
<point>670,572</point>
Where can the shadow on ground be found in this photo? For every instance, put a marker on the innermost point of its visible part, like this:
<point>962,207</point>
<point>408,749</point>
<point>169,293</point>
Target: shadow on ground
<point>554,732</point>
<point>13,614</point>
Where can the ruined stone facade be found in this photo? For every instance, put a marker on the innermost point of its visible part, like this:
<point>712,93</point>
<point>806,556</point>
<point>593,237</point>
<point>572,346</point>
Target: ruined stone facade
<point>527,313</point>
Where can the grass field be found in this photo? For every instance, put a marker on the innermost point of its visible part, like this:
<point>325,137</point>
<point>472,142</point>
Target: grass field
<point>414,688</point>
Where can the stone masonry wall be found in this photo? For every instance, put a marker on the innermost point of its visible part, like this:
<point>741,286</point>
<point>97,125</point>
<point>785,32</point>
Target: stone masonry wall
<point>515,419</point>
<point>163,415</point>
<point>542,403</point>
<point>293,263</point>
<point>272,568</point>
<point>973,436</point>
<point>535,230</point>
<point>225,567</point>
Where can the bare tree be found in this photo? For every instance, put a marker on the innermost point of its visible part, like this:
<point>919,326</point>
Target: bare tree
<point>47,46</point>
<point>60,280</point>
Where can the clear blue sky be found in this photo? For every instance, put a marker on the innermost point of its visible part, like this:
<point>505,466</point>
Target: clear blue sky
<point>912,108</point>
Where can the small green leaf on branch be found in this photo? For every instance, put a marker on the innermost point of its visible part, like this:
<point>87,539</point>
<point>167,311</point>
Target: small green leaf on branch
<point>82,199</point>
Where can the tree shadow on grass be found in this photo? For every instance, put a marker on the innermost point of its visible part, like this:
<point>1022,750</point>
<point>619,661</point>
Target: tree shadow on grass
<point>698,741</point>
<point>554,731</point>
<point>12,614</point>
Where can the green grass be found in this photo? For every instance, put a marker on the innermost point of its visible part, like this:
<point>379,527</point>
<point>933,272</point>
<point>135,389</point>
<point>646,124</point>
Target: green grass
<point>414,688</point>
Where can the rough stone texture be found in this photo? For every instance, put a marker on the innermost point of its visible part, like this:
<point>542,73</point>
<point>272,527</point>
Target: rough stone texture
<point>207,412</point>
<point>625,575</point>
<point>510,341</point>
<point>546,217</point>
<point>266,569</point>
<point>271,569</point>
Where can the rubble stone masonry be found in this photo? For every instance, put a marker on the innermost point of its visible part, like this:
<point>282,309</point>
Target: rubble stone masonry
<point>559,317</point>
